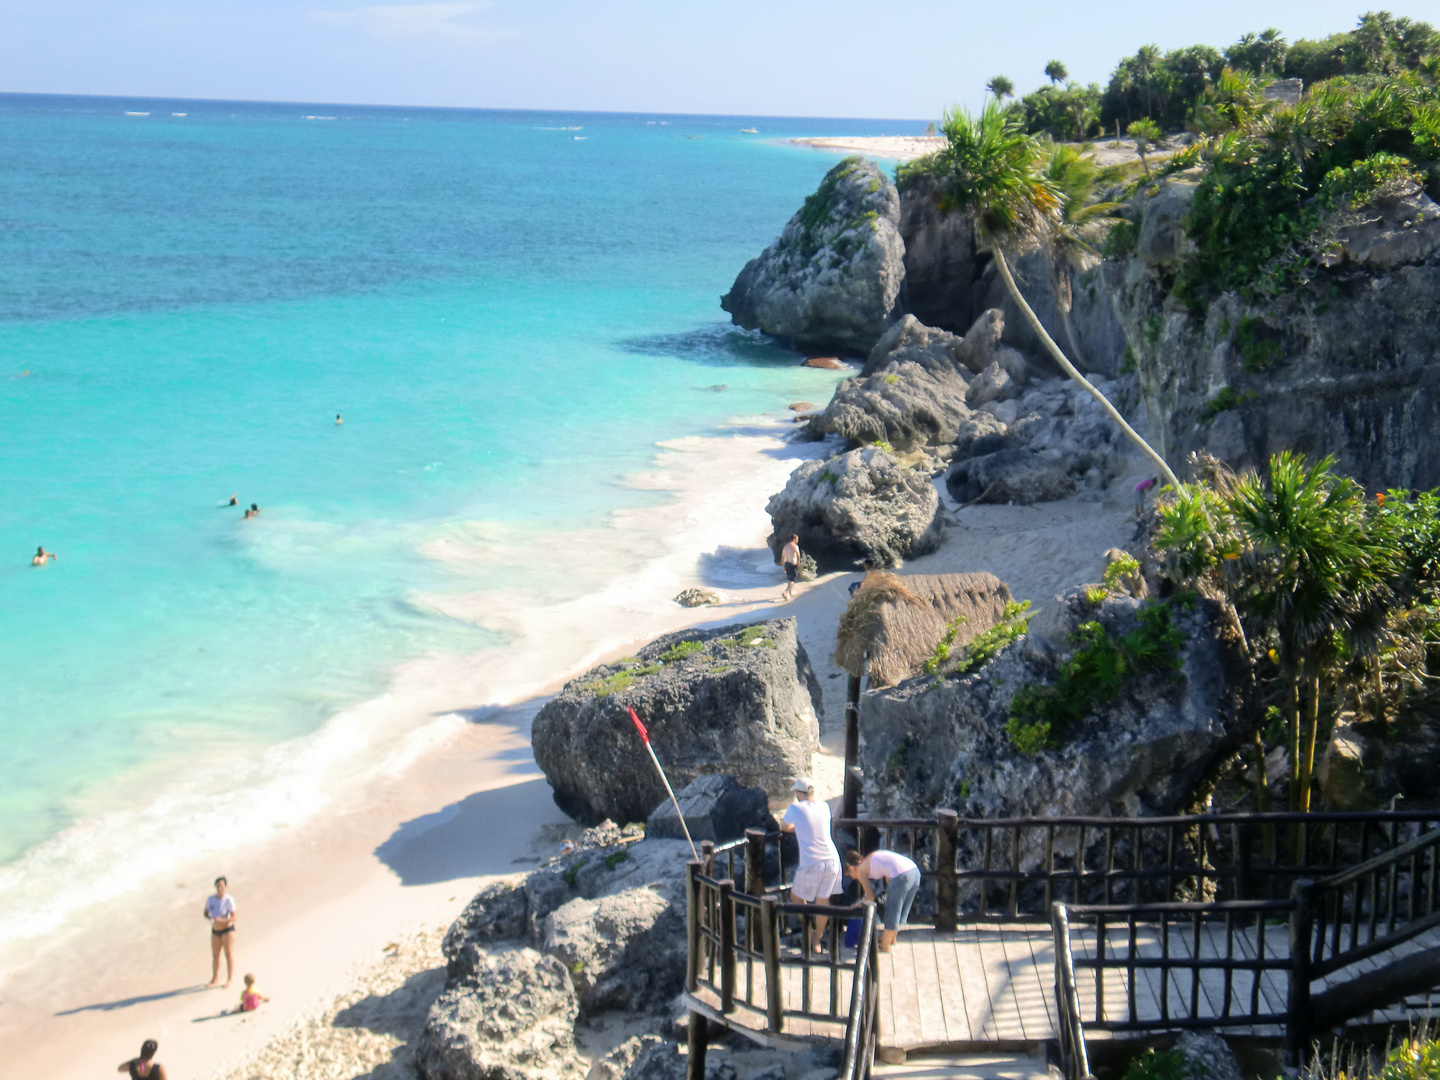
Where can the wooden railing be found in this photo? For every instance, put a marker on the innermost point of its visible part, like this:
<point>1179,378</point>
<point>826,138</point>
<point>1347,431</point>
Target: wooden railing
<point>1014,869</point>
<point>734,951</point>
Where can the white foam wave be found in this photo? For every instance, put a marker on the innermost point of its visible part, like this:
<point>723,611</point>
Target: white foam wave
<point>571,598</point>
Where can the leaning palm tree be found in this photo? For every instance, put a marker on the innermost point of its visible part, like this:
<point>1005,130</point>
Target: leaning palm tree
<point>989,168</point>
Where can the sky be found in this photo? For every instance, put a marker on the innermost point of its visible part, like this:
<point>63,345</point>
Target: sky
<point>840,58</point>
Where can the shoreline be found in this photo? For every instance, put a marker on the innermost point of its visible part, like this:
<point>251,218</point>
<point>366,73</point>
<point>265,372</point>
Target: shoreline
<point>467,742</point>
<point>891,147</point>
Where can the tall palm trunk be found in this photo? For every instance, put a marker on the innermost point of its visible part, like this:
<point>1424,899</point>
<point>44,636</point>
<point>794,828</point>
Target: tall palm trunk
<point>1071,371</point>
<point>1307,772</point>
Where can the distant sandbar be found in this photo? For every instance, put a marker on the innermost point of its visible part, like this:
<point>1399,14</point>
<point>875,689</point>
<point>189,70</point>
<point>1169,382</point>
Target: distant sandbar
<point>895,147</point>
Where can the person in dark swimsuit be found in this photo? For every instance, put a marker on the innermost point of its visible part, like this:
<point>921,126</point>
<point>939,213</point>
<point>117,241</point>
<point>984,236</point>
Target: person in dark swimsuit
<point>144,1067</point>
<point>220,911</point>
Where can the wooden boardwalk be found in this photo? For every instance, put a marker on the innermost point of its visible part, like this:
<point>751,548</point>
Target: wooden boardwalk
<point>992,984</point>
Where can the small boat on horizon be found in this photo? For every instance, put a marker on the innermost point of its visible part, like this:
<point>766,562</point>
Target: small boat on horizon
<point>179,114</point>
<point>749,131</point>
<point>694,136</point>
<point>137,114</point>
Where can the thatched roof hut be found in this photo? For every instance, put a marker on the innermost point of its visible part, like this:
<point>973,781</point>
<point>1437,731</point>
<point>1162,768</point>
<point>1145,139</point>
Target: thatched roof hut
<point>899,619</point>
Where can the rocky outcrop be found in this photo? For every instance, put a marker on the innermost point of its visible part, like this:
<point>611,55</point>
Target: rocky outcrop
<point>831,279</point>
<point>697,597</point>
<point>512,1018</point>
<point>929,745</point>
<point>1400,226</point>
<point>625,951</point>
<point>911,394</point>
<point>943,285</point>
<point>861,506</point>
<point>740,699</point>
<point>716,807</point>
<point>1038,446</point>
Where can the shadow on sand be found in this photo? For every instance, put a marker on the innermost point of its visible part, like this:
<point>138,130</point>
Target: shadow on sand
<point>138,999</point>
<point>458,841</point>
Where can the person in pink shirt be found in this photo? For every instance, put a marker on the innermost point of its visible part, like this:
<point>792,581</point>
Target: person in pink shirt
<point>902,878</point>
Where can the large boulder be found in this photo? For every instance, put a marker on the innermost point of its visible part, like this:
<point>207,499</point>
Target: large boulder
<point>1163,240</point>
<point>942,267</point>
<point>862,506</point>
<point>625,951</point>
<point>911,394</point>
<point>513,1019</point>
<point>831,279</point>
<point>716,807</point>
<point>739,699</point>
<point>1011,475</point>
<point>927,743</point>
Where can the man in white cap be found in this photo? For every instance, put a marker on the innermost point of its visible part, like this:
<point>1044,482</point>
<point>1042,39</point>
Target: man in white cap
<point>817,877</point>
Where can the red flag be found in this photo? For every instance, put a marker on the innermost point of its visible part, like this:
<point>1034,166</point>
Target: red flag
<point>644,735</point>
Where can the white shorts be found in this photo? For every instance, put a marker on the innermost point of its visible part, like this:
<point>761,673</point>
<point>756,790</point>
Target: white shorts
<point>816,882</point>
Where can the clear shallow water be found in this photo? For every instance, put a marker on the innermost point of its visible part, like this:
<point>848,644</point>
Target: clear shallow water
<point>508,317</point>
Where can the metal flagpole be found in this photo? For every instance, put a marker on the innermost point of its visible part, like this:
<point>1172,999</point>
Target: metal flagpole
<point>645,738</point>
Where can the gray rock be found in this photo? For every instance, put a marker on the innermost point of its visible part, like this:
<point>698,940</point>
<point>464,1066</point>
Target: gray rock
<point>716,807</point>
<point>1285,91</point>
<point>831,279</point>
<point>860,506</point>
<point>992,384</point>
<point>623,952</point>
<point>1163,239</point>
<point>498,912</point>
<point>1011,475</point>
<point>697,597</point>
<point>910,394</point>
<point>656,1059</point>
<point>713,703</point>
<point>1399,226</point>
<point>981,429</point>
<point>513,1020</point>
<point>941,265</point>
<point>1342,773</point>
<point>927,745</point>
<point>1207,1056</point>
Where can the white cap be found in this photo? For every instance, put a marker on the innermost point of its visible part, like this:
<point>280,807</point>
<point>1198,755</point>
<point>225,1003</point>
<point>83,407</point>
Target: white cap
<point>804,783</point>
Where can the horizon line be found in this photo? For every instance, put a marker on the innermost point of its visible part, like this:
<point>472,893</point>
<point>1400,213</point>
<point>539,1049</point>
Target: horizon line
<point>449,108</point>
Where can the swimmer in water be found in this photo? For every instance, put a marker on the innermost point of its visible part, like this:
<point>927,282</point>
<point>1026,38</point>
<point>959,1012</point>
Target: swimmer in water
<point>42,557</point>
<point>234,500</point>
<point>338,420</point>
<point>254,511</point>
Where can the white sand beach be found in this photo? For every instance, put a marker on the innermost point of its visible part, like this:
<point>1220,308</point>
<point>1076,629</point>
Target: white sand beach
<point>891,147</point>
<point>349,907</point>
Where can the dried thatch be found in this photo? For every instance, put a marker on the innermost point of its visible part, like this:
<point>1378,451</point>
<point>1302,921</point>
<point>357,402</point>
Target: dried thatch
<point>898,619</point>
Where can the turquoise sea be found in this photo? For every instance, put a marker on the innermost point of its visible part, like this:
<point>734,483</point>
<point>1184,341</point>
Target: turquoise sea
<point>509,309</point>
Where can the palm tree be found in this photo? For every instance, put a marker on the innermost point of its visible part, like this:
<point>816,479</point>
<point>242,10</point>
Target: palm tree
<point>989,168</point>
<point>1147,60</point>
<point>1001,87</point>
<point>1146,134</point>
<point>1074,174</point>
<point>1313,578</point>
<point>1056,72</point>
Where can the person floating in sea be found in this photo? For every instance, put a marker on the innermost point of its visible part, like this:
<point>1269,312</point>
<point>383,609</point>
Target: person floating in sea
<point>253,511</point>
<point>234,498</point>
<point>339,419</point>
<point>220,911</point>
<point>42,557</point>
<point>1142,491</point>
<point>902,878</point>
<point>790,561</point>
<point>817,878</point>
<point>250,998</point>
<point>144,1067</point>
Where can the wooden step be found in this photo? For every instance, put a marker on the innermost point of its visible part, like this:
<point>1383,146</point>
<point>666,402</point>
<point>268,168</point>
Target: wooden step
<point>966,1066</point>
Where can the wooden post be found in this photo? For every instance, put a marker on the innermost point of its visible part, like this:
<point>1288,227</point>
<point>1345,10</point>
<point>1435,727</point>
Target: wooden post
<point>707,858</point>
<point>727,947</point>
<point>696,1036</point>
<point>692,926</point>
<point>770,942</point>
<point>1301,1016</point>
<point>850,805</point>
<point>755,862</point>
<point>946,885</point>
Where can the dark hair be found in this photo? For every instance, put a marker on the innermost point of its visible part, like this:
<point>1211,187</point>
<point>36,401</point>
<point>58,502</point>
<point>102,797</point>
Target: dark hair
<point>254,506</point>
<point>853,857</point>
<point>220,879</point>
<point>147,1050</point>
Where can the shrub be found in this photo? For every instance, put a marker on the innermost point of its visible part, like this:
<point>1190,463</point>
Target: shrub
<point>1158,1065</point>
<point>1358,183</point>
<point>988,644</point>
<point>941,652</point>
<point>1227,398</point>
<point>752,636</point>
<point>680,650</point>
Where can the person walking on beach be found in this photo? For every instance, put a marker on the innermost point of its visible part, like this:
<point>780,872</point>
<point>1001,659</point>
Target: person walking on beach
<point>144,1067</point>
<point>220,910</point>
<point>902,878</point>
<point>790,561</point>
<point>817,878</point>
<point>42,557</point>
